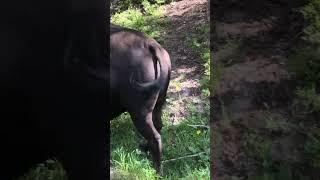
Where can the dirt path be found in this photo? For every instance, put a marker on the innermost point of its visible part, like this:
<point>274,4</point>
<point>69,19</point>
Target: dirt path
<point>252,43</point>
<point>187,70</point>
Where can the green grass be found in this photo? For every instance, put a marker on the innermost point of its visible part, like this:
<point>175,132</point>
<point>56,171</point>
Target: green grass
<point>178,141</point>
<point>130,163</point>
<point>127,160</point>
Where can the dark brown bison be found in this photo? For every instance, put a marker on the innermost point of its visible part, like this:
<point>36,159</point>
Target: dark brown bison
<point>139,78</point>
<point>50,106</point>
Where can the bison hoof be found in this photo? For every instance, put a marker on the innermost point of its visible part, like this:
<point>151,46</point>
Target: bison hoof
<point>159,170</point>
<point>144,148</point>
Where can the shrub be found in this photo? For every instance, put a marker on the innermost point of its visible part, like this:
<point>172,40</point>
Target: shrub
<point>148,23</point>
<point>311,12</point>
<point>305,61</point>
<point>118,6</point>
<point>305,64</point>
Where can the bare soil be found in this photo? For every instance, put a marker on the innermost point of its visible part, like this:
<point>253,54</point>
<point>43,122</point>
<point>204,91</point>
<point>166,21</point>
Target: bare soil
<point>252,41</point>
<point>187,69</point>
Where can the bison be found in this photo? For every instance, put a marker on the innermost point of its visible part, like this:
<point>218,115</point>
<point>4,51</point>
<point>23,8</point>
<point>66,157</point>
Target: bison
<point>51,106</point>
<point>139,78</point>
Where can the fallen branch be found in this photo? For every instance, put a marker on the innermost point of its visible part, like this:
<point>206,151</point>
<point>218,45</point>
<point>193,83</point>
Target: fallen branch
<point>183,157</point>
<point>199,126</point>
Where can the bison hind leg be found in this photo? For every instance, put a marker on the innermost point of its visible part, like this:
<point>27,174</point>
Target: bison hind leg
<point>144,124</point>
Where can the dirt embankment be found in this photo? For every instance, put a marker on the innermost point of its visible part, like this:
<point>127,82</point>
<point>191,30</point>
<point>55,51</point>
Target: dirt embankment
<point>252,41</point>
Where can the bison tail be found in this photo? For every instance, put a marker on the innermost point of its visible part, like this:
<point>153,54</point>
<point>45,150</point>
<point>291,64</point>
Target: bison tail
<point>160,81</point>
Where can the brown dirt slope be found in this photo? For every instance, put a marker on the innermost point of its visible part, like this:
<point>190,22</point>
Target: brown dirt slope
<point>251,40</point>
<point>187,70</point>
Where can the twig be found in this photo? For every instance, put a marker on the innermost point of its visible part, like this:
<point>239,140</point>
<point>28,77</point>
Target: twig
<point>297,35</point>
<point>183,157</point>
<point>114,1</point>
<point>199,126</point>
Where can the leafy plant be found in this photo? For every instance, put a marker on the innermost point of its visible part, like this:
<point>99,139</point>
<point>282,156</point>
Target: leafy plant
<point>305,65</point>
<point>118,6</point>
<point>311,12</point>
<point>309,100</point>
<point>259,148</point>
<point>148,22</point>
<point>50,169</point>
<point>312,150</point>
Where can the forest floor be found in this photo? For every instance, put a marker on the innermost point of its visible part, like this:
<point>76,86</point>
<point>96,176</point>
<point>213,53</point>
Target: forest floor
<point>187,69</point>
<point>252,118</point>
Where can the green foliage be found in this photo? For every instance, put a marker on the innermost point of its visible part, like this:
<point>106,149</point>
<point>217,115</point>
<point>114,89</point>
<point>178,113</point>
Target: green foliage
<point>311,12</point>
<point>284,172</point>
<point>149,22</point>
<point>308,100</point>
<point>119,6</point>
<point>305,64</point>
<point>205,81</point>
<point>198,174</point>
<point>312,150</point>
<point>131,165</point>
<point>305,61</point>
<point>123,5</point>
<point>259,148</point>
<point>50,169</point>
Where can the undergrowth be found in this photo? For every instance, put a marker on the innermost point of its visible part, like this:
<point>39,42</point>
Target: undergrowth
<point>147,22</point>
<point>48,170</point>
<point>306,69</point>
<point>304,65</point>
